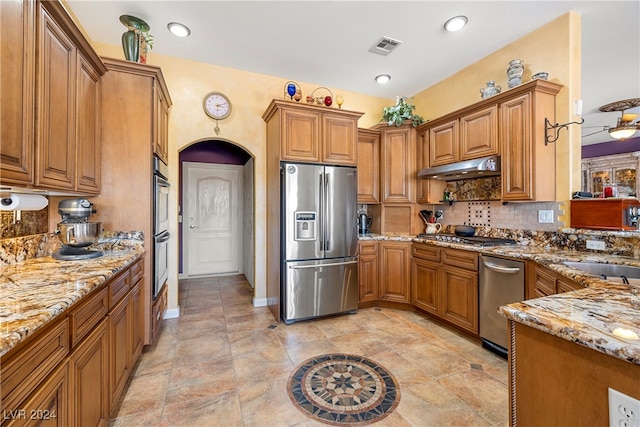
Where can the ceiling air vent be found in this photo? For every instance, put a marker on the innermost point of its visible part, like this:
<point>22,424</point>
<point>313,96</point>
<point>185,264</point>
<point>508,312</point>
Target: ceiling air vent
<point>385,45</point>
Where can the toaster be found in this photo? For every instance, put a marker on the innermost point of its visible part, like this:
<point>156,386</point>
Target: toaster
<point>605,214</point>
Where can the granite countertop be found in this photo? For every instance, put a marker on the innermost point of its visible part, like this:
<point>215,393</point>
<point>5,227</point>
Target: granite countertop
<point>34,292</point>
<point>587,316</point>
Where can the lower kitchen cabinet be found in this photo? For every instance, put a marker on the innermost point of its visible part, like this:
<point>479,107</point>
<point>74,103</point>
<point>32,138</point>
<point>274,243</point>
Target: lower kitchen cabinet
<point>445,283</point>
<point>542,282</point>
<point>89,368</point>
<point>367,272</point>
<point>73,371</point>
<point>395,281</point>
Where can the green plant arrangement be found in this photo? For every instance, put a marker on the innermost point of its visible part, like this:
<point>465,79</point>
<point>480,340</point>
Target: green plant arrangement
<point>399,113</point>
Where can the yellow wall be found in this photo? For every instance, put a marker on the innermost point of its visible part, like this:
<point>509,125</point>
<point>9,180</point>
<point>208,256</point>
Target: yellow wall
<point>250,94</point>
<point>554,48</point>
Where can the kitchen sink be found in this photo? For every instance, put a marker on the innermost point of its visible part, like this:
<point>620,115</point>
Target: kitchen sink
<point>608,270</point>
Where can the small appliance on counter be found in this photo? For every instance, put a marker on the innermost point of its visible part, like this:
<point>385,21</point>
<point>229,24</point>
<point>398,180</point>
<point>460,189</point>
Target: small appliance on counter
<point>75,231</point>
<point>364,223</point>
<point>606,214</point>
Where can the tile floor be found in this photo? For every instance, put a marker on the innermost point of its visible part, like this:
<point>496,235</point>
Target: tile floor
<point>220,364</point>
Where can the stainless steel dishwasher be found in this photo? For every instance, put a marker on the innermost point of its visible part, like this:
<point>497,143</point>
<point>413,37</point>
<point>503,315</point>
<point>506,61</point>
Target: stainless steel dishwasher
<point>501,282</point>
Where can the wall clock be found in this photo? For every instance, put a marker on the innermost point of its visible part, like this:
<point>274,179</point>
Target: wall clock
<point>217,106</point>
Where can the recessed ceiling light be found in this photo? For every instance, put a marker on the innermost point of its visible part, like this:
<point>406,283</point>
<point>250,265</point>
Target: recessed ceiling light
<point>456,23</point>
<point>383,78</point>
<point>178,29</point>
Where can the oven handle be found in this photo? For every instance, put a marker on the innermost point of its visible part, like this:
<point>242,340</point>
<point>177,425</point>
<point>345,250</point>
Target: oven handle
<point>163,237</point>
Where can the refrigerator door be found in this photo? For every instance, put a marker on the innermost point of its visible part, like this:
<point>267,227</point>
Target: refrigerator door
<point>340,212</point>
<point>302,187</point>
<point>319,288</point>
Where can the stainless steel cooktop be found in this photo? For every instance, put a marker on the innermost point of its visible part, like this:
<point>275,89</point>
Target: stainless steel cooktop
<point>471,240</point>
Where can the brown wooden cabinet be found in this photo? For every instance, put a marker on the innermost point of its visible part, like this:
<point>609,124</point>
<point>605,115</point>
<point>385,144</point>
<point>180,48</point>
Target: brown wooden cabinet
<point>78,365</point>
<point>428,190</point>
<point>157,311</point>
<point>395,281</point>
<point>89,379</point>
<point>368,164</point>
<point>542,282</point>
<point>445,284</point>
<point>444,143</point>
<point>479,133</point>
<point>398,165</point>
<point>161,130</point>
<point>17,83</point>
<point>129,133</point>
<point>368,290</point>
<point>528,162</point>
<point>50,105</point>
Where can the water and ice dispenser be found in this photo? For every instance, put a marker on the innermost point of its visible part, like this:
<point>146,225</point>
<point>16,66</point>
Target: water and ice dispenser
<point>305,226</point>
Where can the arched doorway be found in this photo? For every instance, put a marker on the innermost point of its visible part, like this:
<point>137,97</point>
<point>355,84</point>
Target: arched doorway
<point>216,175</point>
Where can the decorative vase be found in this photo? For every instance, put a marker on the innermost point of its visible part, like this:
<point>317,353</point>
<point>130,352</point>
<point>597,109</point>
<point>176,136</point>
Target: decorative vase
<point>515,72</point>
<point>490,90</point>
<point>131,45</point>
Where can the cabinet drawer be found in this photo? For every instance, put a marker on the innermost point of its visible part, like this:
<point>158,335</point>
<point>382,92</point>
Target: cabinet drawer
<point>461,259</point>
<point>426,252</point>
<point>137,271</point>
<point>23,373</point>
<point>119,287</point>
<point>84,318</point>
<point>369,248</point>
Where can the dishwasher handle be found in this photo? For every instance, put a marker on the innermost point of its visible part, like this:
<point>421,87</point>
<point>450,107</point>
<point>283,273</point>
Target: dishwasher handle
<point>500,269</point>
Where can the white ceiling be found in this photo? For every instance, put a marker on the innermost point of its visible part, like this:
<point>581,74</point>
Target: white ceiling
<point>327,42</point>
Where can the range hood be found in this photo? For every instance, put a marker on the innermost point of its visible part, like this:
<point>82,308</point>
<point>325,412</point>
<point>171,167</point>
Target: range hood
<point>468,169</point>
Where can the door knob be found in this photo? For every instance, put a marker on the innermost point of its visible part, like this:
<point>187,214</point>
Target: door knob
<point>193,226</point>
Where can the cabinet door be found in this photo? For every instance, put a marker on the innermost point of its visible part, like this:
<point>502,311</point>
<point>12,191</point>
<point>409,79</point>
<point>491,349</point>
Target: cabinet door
<point>339,137</point>
<point>368,164</point>
<point>460,297</point>
<point>17,77</point>
<point>48,406</point>
<point>161,118</point>
<point>55,122</point>
<point>566,285</point>
<point>395,282</point>
<point>516,147</point>
<point>300,136</point>
<point>428,190</point>
<point>119,349</point>
<point>137,317</point>
<point>367,271</point>
<point>89,374</point>
<point>540,282</point>
<point>398,163</point>
<point>88,115</point>
<point>479,134</point>
<point>424,285</point>
<point>444,144</point>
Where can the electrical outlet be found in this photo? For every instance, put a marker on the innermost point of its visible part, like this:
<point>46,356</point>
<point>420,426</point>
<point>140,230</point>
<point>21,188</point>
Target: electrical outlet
<point>545,216</point>
<point>624,411</point>
<point>598,245</point>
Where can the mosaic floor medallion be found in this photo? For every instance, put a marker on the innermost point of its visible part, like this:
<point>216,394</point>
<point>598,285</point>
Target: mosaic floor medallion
<point>343,389</point>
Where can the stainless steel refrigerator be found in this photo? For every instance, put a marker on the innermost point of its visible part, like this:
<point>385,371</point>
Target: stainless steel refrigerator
<point>319,275</point>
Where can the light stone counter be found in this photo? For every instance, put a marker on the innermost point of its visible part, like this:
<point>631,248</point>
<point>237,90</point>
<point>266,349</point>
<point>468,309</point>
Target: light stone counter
<point>36,291</point>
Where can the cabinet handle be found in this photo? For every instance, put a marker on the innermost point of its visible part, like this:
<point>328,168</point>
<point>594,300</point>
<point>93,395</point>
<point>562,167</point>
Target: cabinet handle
<point>508,270</point>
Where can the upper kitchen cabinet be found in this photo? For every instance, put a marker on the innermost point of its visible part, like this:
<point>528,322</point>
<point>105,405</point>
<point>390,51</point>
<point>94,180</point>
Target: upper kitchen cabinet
<point>17,85</point>
<point>54,127</point>
<point>314,134</point>
<point>523,147</point>
<point>398,165</point>
<point>161,119</point>
<point>468,136</point>
<point>428,190</point>
<point>368,163</point>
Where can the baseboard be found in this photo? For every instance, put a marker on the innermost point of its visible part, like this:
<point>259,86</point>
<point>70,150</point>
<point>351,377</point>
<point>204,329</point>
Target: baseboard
<point>259,302</point>
<point>172,313</point>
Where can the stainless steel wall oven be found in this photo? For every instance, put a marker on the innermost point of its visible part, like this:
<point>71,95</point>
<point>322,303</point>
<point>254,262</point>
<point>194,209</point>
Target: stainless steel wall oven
<point>160,225</point>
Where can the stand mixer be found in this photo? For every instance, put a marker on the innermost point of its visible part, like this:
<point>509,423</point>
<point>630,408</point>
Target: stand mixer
<point>75,231</point>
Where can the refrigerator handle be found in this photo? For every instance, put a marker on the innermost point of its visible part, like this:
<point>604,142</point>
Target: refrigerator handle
<point>321,195</point>
<point>328,198</point>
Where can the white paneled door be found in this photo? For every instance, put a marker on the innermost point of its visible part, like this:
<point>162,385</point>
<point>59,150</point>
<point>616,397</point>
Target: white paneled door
<point>212,218</point>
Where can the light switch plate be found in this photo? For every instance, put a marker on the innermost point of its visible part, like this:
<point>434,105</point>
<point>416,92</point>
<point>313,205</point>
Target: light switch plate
<point>545,216</point>
<point>596,244</point>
